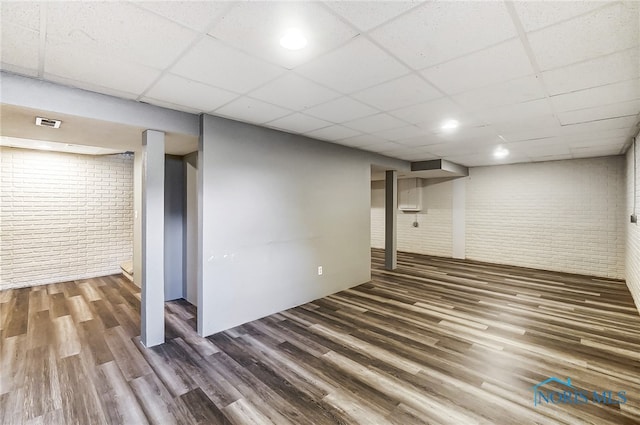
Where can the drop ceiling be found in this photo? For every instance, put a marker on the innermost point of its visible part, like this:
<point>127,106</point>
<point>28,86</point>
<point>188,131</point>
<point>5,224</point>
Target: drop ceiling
<point>545,80</point>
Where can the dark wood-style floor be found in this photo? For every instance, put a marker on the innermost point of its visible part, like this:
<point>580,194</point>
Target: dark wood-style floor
<point>438,341</point>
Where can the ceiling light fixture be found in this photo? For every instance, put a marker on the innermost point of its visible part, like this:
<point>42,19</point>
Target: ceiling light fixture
<point>500,152</point>
<point>450,125</point>
<point>293,39</point>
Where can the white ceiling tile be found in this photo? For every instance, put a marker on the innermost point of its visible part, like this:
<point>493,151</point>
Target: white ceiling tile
<point>543,124</point>
<point>527,136</point>
<point>196,15</point>
<point>434,111</point>
<point>66,61</point>
<point>408,155</point>
<point>473,134</point>
<point>375,123</point>
<point>427,139</point>
<point>440,31</point>
<point>554,146</point>
<point>508,93</point>
<point>353,67</point>
<point>30,72</point>
<point>213,63</point>
<point>544,157</point>
<point>365,15</point>
<point>298,123</point>
<point>91,86</point>
<point>423,154</point>
<point>597,142</point>
<point>108,28</point>
<point>615,110</point>
<point>25,14</point>
<point>294,92</point>
<point>383,147</point>
<point>19,47</point>
<point>605,137</point>
<point>362,140</point>
<point>404,91</point>
<point>496,64</point>
<point>402,133</point>
<point>251,110</point>
<point>333,133</point>
<point>539,14</point>
<point>256,27</point>
<point>595,151</point>
<point>603,95</point>
<point>448,149</point>
<point>402,150</point>
<point>600,125</point>
<point>518,112</point>
<point>613,68</point>
<point>341,110</point>
<point>180,91</point>
<point>606,30</point>
<point>170,105</point>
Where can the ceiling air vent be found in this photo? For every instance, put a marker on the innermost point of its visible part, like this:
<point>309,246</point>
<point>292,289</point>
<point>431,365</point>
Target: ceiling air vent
<point>46,122</point>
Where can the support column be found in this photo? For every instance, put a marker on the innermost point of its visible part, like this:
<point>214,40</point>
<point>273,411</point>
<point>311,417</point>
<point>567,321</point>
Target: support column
<point>152,313</point>
<point>390,215</point>
<point>458,218</point>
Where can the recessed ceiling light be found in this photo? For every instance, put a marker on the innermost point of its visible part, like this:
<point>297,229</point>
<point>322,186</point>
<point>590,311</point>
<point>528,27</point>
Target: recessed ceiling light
<point>450,125</point>
<point>501,152</point>
<point>293,39</point>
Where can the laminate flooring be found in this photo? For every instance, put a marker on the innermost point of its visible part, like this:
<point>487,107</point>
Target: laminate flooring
<point>437,341</point>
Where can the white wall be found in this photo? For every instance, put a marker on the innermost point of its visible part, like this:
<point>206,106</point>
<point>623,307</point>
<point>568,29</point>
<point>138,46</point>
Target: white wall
<point>433,236</point>
<point>275,206</point>
<point>63,216</point>
<point>559,215</point>
<point>632,230</point>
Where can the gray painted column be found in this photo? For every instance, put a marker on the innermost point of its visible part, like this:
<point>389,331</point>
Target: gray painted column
<point>152,313</point>
<point>390,215</point>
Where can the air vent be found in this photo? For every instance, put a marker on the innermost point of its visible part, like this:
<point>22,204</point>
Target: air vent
<point>46,122</point>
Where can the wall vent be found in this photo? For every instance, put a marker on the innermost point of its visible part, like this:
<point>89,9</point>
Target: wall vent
<point>46,122</point>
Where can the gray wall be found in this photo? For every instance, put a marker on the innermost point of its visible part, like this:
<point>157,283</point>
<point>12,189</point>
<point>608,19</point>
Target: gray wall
<point>275,206</point>
<point>191,229</point>
<point>174,220</point>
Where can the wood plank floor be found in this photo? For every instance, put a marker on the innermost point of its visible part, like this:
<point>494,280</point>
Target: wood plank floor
<point>438,341</point>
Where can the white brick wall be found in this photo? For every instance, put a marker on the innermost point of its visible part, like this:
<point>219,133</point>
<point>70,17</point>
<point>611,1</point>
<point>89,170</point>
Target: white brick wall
<point>633,230</point>
<point>432,236</point>
<point>558,215</point>
<point>63,216</point>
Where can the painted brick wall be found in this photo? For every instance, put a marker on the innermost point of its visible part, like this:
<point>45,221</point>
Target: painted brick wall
<point>560,215</point>
<point>633,230</point>
<point>63,216</point>
<point>433,234</point>
<point>557,215</point>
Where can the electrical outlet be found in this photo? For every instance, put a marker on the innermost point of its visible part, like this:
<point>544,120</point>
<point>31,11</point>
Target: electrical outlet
<point>319,270</point>
<point>634,218</point>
